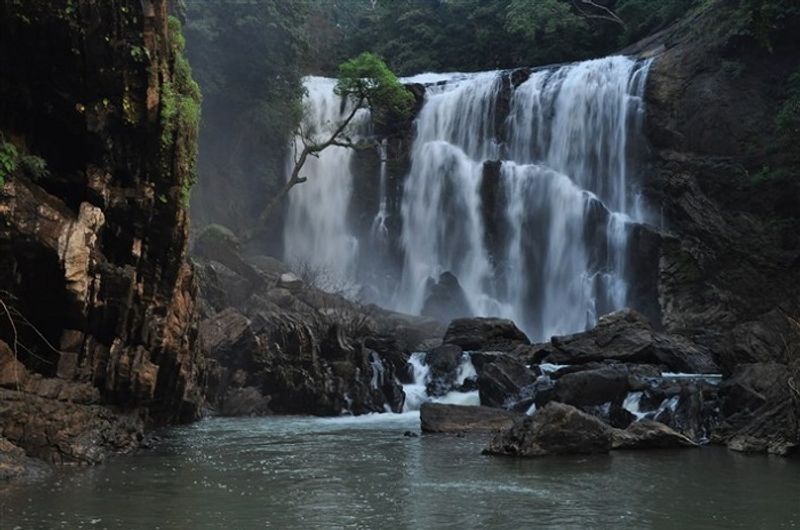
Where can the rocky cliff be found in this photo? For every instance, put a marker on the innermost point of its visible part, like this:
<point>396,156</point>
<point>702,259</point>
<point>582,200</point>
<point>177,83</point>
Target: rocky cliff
<point>98,117</point>
<point>728,186</point>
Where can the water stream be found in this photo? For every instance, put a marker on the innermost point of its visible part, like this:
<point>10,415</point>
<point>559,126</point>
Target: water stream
<point>302,473</point>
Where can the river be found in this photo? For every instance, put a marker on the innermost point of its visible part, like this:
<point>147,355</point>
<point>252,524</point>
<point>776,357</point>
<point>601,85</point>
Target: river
<point>301,472</point>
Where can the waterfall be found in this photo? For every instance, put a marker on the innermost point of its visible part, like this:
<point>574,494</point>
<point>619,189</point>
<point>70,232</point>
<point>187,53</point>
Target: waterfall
<point>522,186</point>
<point>317,237</point>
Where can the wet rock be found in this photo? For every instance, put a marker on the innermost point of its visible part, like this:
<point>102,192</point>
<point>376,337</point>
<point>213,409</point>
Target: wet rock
<point>593,387</point>
<point>485,334</point>
<point>759,410</point>
<point>443,362</point>
<point>505,382</point>
<point>556,428</point>
<point>648,434</point>
<point>64,432</point>
<point>439,418</point>
<point>446,299</point>
<point>15,464</point>
<point>627,336</point>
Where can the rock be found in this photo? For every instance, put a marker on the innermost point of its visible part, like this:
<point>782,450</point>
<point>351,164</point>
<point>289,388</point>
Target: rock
<point>15,464</point>
<point>443,362</point>
<point>759,410</point>
<point>593,387</point>
<point>64,432</point>
<point>648,434</point>
<point>446,299</point>
<point>439,418</point>
<point>290,281</point>
<point>554,429</point>
<point>95,255</point>
<point>246,401</point>
<point>505,382</point>
<point>627,336</point>
<point>485,334</point>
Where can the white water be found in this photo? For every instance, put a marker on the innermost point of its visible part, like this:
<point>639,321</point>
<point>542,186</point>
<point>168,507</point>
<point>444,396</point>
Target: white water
<point>416,394</point>
<point>566,194</point>
<point>317,237</point>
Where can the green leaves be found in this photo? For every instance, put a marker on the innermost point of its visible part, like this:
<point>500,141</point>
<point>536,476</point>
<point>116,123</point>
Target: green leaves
<point>367,78</point>
<point>8,160</point>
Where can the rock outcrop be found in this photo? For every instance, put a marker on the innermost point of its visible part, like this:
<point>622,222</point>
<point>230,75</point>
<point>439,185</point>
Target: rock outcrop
<point>99,297</point>
<point>280,345</point>
<point>485,334</point>
<point>627,336</point>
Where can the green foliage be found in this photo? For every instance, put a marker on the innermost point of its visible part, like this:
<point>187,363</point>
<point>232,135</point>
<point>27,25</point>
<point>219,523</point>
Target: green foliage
<point>180,110</point>
<point>367,78</point>
<point>9,158</point>
<point>542,19</point>
<point>11,161</point>
<point>34,167</point>
<point>445,35</point>
<point>766,20</point>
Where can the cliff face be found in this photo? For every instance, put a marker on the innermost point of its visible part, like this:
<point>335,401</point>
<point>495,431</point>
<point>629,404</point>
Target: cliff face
<point>727,186</point>
<point>93,249</point>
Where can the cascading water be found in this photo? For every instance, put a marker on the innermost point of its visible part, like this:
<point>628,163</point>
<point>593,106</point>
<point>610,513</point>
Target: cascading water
<point>316,233</point>
<point>524,189</point>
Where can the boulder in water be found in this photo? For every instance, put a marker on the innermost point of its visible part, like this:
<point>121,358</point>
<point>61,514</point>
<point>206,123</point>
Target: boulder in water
<point>593,387</point>
<point>648,434</point>
<point>485,334</point>
<point>440,418</point>
<point>556,428</point>
<point>446,299</point>
<point>505,382</point>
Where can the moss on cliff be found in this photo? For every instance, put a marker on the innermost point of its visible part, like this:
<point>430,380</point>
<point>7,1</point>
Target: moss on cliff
<point>180,111</point>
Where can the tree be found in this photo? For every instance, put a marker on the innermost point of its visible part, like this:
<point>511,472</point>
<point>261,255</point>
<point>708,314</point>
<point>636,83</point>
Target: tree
<point>366,81</point>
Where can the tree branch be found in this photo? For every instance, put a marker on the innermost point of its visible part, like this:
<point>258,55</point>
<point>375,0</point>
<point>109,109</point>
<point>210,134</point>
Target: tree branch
<point>309,149</point>
<point>609,14</point>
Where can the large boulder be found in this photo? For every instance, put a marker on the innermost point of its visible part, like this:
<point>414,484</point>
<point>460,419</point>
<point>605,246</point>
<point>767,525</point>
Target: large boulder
<point>485,334</point>
<point>446,299</point>
<point>627,336</point>
<point>440,418</point>
<point>505,382</point>
<point>593,387</point>
<point>648,434</point>
<point>554,429</point>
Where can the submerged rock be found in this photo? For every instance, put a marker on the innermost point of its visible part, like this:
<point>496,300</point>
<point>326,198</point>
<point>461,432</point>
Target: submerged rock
<point>556,428</point>
<point>440,418</point>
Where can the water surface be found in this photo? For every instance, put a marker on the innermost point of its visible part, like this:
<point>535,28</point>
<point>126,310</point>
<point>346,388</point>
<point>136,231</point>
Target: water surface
<point>364,473</point>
